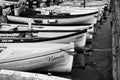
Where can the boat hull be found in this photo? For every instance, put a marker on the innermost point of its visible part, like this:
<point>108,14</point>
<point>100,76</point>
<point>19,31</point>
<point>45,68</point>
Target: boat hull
<point>74,37</point>
<point>90,19</point>
<point>64,21</point>
<point>80,39</point>
<point>67,16</point>
<point>57,60</point>
<point>58,35</point>
<point>42,63</point>
<point>20,75</point>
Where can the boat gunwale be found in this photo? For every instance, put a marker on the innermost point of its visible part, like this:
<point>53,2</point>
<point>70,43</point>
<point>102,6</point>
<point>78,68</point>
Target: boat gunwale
<point>56,16</point>
<point>41,39</point>
<point>2,62</point>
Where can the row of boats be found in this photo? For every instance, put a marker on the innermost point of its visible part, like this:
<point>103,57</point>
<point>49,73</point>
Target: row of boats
<point>45,38</point>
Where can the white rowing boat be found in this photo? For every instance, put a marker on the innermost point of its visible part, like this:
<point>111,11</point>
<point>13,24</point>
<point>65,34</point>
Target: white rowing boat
<point>15,33</point>
<point>19,75</point>
<point>55,15</point>
<point>37,56</point>
<point>100,5</point>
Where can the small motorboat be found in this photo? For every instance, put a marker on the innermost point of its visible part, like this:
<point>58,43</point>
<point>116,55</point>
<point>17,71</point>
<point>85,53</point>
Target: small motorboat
<point>25,33</point>
<point>36,56</point>
<point>20,75</point>
<point>55,15</point>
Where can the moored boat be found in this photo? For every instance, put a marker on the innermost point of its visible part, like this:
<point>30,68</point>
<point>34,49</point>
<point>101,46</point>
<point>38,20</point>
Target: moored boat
<point>100,5</point>
<point>20,75</point>
<point>96,4</point>
<point>22,34</point>
<point>37,56</point>
<point>56,16</point>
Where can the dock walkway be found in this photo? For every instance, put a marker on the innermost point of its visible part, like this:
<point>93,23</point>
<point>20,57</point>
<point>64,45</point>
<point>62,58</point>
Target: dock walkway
<point>117,24</point>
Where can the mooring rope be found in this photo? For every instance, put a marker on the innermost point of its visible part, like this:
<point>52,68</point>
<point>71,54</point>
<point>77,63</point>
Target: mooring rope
<point>109,49</point>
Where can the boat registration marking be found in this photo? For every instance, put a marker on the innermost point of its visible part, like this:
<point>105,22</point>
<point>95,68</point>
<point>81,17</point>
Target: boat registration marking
<point>54,58</point>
